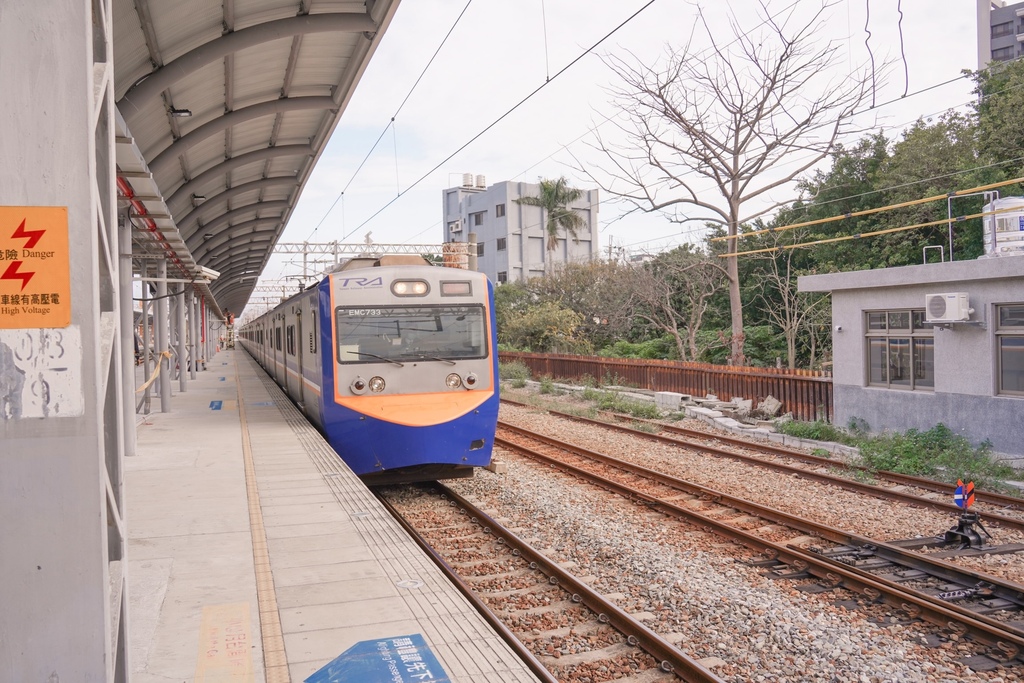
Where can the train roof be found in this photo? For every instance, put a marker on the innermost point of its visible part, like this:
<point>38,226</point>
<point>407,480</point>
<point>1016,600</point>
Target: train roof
<point>377,261</point>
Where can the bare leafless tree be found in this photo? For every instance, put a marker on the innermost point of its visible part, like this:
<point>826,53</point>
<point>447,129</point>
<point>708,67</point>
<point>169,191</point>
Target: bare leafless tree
<point>671,293</point>
<point>777,295</point>
<point>709,135</point>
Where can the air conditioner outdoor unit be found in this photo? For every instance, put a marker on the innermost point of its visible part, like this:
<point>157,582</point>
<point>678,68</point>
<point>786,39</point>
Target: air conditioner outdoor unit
<point>455,226</point>
<point>947,308</point>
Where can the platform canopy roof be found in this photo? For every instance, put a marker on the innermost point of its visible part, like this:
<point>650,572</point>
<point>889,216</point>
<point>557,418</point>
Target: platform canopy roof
<point>224,107</point>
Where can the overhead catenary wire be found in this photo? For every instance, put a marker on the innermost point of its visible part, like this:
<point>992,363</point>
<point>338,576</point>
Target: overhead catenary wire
<point>867,212</point>
<point>391,122</point>
<point>562,147</point>
<point>506,114</point>
<point>874,233</point>
<point>341,196</point>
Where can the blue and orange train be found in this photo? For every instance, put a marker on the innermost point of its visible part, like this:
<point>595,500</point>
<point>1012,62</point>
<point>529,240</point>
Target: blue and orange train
<point>395,361</point>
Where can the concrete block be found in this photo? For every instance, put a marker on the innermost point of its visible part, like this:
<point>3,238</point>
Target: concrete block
<point>668,400</point>
<point>498,467</point>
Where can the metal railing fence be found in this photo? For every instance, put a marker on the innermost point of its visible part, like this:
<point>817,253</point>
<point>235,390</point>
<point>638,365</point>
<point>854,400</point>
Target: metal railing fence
<point>807,394</point>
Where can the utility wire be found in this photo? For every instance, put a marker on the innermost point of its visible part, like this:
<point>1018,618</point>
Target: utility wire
<point>391,122</point>
<point>505,115</point>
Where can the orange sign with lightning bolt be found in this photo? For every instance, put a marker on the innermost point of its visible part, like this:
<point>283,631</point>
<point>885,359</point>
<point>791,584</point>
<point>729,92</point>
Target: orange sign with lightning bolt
<point>35,267</point>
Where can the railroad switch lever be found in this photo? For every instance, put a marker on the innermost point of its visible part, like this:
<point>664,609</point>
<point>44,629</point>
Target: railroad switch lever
<point>964,535</point>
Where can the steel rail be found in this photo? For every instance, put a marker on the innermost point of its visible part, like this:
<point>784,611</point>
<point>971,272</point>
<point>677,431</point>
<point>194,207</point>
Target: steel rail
<point>490,617</point>
<point>1012,502</point>
<point>670,658</point>
<point>828,572</point>
<point>1007,590</point>
<point>878,491</point>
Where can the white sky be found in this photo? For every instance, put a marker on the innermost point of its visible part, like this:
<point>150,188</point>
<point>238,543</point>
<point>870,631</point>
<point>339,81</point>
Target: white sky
<point>497,55</point>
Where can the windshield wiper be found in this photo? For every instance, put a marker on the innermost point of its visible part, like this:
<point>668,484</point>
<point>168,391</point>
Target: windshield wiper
<point>420,355</point>
<point>373,355</point>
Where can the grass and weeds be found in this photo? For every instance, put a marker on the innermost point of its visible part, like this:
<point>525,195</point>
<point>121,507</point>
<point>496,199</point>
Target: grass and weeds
<point>513,371</point>
<point>938,453</point>
<point>819,431</point>
<point>617,403</point>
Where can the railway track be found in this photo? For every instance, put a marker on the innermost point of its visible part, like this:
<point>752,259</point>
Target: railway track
<point>1005,511</point>
<point>564,629</point>
<point>918,586</point>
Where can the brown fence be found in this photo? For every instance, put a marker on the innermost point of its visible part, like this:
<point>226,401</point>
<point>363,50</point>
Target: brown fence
<point>807,394</point>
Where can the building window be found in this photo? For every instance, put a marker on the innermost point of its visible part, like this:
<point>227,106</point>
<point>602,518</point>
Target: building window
<point>1004,29</point>
<point>1010,341</point>
<point>502,277</point>
<point>1002,54</point>
<point>502,243</point>
<point>499,210</point>
<point>479,248</point>
<point>900,350</point>
<point>478,218</point>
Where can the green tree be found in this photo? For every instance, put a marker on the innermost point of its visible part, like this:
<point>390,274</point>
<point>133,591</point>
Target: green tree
<point>594,290</point>
<point>546,327</point>
<point>1000,91</point>
<point>670,295</point>
<point>557,215</point>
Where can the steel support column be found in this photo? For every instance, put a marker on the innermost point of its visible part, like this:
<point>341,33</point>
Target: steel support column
<point>147,342</point>
<point>162,326</point>
<point>183,358</point>
<point>125,288</point>
<point>63,434</point>
<point>193,328</point>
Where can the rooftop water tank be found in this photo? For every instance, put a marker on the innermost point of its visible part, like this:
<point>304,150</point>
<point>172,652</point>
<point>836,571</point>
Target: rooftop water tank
<point>1007,238</point>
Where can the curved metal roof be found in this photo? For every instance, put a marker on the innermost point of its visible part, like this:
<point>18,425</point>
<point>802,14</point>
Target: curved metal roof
<point>224,108</point>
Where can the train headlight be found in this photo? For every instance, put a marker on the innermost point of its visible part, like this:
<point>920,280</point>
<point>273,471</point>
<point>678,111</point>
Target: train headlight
<point>377,384</point>
<point>471,379</point>
<point>409,288</point>
<point>358,386</point>
<point>453,381</point>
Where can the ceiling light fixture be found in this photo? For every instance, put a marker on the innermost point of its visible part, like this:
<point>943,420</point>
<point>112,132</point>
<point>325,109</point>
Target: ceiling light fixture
<point>181,113</point>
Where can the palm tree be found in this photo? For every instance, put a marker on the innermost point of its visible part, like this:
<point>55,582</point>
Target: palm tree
<point>555,198</point>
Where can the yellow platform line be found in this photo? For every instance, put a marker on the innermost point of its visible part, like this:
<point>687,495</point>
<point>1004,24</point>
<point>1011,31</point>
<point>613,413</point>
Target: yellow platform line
<point>275,661</point>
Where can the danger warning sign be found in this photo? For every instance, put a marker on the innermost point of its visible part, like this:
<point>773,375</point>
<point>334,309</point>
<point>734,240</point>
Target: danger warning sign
<point>35,271</point>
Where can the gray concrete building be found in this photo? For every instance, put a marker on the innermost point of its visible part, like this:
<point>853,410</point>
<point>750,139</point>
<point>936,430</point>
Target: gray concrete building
<point>1000,31</point>
<point>511,239</point>
<point>915,346</point>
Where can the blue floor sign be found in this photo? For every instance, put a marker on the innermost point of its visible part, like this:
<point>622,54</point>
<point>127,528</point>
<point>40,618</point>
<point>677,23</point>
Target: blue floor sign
<point>216,405</point>
<point>401,659</point>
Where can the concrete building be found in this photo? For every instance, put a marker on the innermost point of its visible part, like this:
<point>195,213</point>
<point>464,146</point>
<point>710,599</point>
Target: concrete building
<point>918,345</point>
<point>511,239</point>
<point>1000,31</point>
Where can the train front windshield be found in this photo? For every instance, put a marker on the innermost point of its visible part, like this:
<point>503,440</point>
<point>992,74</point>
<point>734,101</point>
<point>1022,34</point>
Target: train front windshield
<point>411,333</point>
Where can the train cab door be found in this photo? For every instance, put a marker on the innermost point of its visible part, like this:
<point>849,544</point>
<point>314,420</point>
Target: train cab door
<point>300,393</point>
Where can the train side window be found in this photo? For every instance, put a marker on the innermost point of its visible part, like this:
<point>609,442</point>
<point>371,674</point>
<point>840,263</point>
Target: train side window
<point>312,332</point>
<point>290,335</point>
<point>277,336</point>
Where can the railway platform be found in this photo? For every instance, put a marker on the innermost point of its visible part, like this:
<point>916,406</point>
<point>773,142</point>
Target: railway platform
<point>256,555</point>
